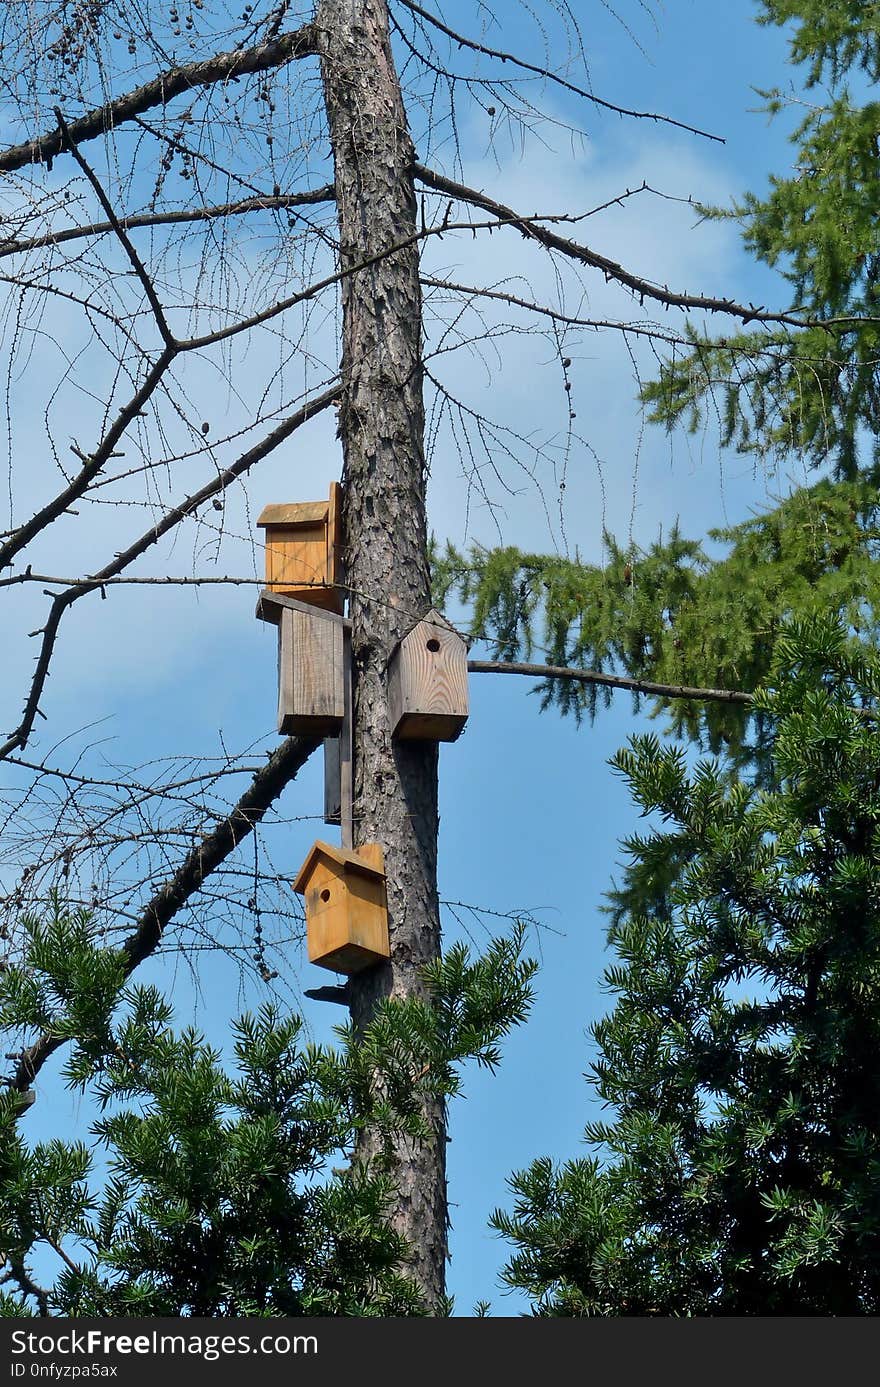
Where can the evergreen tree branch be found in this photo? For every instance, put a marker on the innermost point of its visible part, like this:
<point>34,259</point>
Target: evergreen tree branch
<point>19,1274</point>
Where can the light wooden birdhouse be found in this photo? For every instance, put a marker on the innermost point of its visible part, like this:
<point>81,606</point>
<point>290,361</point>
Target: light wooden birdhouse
<point>346,907</point>
<point>311,671</point>
<point>304,550</point>
<point>427,683</point>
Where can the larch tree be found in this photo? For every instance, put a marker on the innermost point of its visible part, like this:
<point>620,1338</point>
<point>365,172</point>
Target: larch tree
<point>146,142</point>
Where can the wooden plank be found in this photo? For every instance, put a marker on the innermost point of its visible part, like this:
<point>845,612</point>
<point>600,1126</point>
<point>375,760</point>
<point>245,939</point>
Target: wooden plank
<point>335,566</point>
<point>430,727</point>
<point>271,604</point>
<point>285,668</point>
<point>318,685</point>
<point>297,513</point>
<point>332,781</point>
<point>427,684</point>
<point>346,749</point>
<point>296,556</point>
<point>311,696</point>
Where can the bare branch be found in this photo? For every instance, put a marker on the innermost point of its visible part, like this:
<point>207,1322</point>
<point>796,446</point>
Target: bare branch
<point>642,288</point>
<point>645,329</point>
<point>162,89</point>
<point>128,786</point>
<point>59,1250</point>
<point>188,580</point>
<point>441,228</point>
<point>91,464</point>
<point>611,681</point>
<point>200,862</point>
<point>549,76</point>
<point>193,214</point>
<point>614,681</point>
<point>124,240</point>
<point>62,601</point>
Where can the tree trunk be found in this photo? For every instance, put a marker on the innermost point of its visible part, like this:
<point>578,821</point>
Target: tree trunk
<point>382,431</point>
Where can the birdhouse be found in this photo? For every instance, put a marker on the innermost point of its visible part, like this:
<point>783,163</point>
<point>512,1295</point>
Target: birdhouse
<point>346,908</point>
<point>427,683</point>
<point>304,550</point>
<point>311,671</point>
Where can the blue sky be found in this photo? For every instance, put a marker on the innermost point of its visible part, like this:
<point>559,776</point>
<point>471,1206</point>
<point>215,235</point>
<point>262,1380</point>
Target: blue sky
<point>531,815</point>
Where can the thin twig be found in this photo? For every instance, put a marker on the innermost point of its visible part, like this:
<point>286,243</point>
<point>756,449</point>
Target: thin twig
<point>125,241</point>
<point>92,463</point>
<point>549,76</point>
<point>18,739</point>
<point>239,62</point>
<point>532,229</point>
<point>204,858</point>
<point>441,228</point>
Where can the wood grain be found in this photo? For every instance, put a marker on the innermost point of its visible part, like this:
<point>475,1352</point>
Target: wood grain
<point>346,907</point>
<point>304,549</point>
<point>311,694</point>
<point>338,780</point>
<point>428,688</point>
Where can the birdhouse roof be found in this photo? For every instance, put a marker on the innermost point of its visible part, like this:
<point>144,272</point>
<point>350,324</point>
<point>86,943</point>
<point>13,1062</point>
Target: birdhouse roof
<point>290,513</point>
<point>299,513</point>
<point>340,858</point>
<point>434,618</point>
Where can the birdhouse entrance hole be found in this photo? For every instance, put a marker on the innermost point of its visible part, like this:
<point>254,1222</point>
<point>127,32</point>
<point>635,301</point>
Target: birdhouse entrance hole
<point>346,907</point>
<point>427,683</point>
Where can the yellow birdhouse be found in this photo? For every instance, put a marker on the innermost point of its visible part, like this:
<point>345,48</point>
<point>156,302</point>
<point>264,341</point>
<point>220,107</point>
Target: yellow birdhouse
<point>304,550</point>
<point>427,683</point>
<point>346,906</point>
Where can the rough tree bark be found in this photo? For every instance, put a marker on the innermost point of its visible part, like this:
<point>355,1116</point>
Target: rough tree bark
<point>382,432</point>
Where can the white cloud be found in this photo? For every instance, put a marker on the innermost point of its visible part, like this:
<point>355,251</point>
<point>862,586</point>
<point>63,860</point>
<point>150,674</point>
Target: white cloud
<point>619,473</point>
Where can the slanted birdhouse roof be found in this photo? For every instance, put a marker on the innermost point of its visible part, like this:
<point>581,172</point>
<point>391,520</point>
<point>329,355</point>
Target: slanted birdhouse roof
<point>434,618</point>
<point>298,513</point>
<point>341,859</point>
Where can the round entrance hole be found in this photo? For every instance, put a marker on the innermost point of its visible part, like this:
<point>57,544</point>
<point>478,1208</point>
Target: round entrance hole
<point>433,645</point>
<point>325,894</point>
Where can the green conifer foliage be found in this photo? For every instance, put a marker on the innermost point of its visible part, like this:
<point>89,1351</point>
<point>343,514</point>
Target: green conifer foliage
<point>676,614</point>
<point>815,391</point>
<point>209,1192</point>
<point>739,1171</point>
